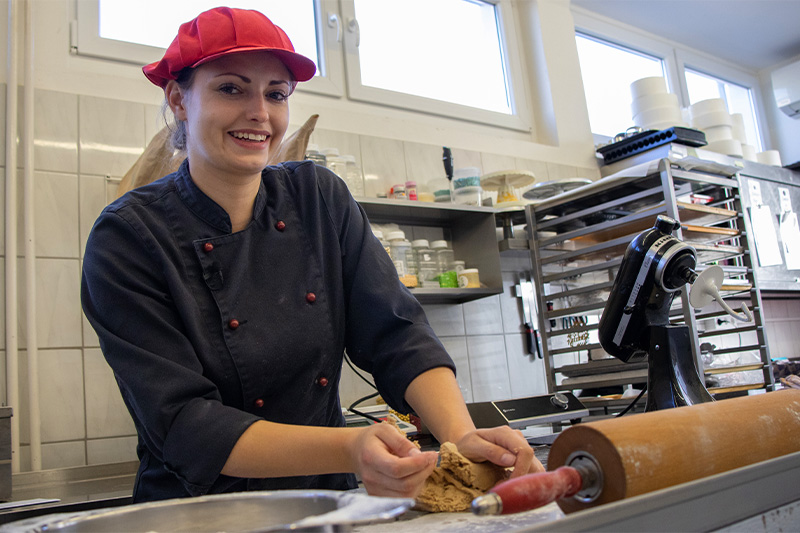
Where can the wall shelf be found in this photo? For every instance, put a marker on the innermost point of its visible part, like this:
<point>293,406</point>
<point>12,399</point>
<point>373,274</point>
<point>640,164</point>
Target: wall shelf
<point>470,229</point>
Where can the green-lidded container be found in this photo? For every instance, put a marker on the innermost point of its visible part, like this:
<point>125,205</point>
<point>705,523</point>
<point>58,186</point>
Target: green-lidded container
<point>448,280</point>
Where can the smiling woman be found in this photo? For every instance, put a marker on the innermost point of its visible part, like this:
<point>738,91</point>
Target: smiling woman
<point>225,294</point>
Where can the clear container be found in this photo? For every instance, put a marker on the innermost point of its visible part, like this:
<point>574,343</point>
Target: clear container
<point>353,177</point>
<point>399,192</point>
<point>313,154</point>
<point>467,195</point>
<point>379,235</point>
<point>427,266</point>
<point>402,257</point>
<point>444,255</point>
<point>335,162</point>
<point>458,266</point>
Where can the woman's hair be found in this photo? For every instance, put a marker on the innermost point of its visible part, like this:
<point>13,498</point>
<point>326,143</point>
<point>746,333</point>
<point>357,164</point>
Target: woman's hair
<point>177,128</point>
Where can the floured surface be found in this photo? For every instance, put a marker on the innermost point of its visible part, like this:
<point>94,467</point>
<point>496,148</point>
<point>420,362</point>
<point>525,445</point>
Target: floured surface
<point>465,522</point>
<point>457,481</point>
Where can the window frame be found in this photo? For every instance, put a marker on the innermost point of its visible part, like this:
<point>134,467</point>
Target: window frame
<point>676,59</point>
<point>519,119</point>
<point>86,41</point>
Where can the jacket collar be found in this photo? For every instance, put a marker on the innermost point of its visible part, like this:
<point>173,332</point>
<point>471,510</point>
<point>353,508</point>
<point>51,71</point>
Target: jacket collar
<point>206,208</point>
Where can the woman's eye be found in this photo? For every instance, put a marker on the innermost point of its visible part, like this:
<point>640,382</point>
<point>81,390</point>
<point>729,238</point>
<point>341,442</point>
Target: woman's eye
<point>278,96</point>
<point>229,88</point>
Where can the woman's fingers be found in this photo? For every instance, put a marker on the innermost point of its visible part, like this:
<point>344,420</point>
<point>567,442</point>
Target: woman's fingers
<point>391,465</point>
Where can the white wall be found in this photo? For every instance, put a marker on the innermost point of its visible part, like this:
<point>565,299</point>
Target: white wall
<point>785,131</point>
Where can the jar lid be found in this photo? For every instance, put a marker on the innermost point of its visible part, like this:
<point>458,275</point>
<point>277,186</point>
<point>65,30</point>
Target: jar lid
<point>467,172</point>
<point>349,158</point>
<point>469,271</point>
<point>378,233</point>
<point>439,244</point>
<point>395,235</point>
<point>330,151</point>
<point>458,263</point>
<point>419,243</point>
<point>411,184</point>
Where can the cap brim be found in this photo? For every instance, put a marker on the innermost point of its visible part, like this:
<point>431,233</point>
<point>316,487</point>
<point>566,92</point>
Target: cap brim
<point>301,67</point>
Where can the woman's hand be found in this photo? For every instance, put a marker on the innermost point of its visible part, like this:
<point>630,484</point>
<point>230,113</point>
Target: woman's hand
<point>389,464</point>
<point>502,446</point>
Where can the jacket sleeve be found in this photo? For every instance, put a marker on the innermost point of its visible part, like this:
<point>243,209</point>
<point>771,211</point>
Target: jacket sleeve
<point>387,333</point>
<point>129,301</point>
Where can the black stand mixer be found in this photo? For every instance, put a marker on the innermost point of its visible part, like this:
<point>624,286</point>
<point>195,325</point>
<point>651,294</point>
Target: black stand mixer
<point>635,322</point>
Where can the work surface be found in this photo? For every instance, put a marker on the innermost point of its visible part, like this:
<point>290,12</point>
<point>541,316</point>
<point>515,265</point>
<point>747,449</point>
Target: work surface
<point>465,522</point>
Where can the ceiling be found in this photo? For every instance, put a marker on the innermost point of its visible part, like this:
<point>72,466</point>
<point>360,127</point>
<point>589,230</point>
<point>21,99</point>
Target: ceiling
<point>754,34</point>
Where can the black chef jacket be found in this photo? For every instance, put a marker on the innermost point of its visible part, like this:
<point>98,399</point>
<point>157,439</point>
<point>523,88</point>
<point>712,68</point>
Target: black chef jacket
<point>208,331</point>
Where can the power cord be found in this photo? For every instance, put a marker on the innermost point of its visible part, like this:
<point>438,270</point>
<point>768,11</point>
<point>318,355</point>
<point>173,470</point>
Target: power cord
<point>630,406</point>
<point>352,407</point>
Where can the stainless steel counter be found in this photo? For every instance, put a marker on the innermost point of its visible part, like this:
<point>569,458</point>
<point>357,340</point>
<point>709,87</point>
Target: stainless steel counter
<point>761,497</point>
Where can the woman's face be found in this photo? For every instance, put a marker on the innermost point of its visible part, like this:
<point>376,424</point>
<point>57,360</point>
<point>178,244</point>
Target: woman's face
<point>236,113</point>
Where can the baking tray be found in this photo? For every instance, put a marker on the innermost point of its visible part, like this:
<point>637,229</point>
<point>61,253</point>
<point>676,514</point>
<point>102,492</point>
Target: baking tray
<point>646,140</point>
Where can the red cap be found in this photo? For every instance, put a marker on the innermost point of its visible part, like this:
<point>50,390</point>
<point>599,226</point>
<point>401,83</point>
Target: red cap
<point>222,31</point>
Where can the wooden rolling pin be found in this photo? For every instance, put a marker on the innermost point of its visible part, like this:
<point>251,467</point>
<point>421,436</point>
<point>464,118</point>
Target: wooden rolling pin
<point>599,462</point>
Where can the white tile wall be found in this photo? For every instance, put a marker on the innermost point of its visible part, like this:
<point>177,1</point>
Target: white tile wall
<point>79,140</point>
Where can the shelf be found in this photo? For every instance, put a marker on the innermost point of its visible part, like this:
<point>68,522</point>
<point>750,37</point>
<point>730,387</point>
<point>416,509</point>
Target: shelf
<point>449,296</point>
<point>471,229</point>
<point>578,241</point>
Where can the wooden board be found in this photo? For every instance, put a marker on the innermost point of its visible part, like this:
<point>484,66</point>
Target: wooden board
<point>729,369</point>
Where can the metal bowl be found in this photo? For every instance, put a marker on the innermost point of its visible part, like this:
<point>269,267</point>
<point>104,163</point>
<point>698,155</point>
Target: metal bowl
<point>240,512</point>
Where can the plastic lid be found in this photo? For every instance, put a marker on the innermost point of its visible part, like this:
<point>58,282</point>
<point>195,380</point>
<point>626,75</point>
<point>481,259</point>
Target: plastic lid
<point>349,158</point>
<point>469,271</point>
<point>458,263</point>
<point>411,184</point>
<point>439,244</point>
<point>378,233</point>
<point>395,235</point>
<point>467,172</point>
<point>420,243</point>
<point>330,151</point>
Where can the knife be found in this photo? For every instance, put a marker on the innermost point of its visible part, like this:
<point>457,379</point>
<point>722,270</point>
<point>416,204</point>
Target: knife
<point>525,292</point>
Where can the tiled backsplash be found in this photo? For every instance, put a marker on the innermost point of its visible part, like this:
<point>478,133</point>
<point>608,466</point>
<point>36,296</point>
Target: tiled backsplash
<point>84,144</point>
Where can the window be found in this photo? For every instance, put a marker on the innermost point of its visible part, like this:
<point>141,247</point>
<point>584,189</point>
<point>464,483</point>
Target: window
<point>608,71</point>
<point>448,57</point>
<point>444,65</point>
<point>612,55</point>
<point>739,99</point>
<point>128,31</point>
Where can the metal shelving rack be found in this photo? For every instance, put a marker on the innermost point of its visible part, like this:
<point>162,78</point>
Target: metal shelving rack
<point>577,240</point>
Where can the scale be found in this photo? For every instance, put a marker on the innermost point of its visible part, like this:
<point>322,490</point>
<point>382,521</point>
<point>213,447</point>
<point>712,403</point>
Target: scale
<point>524,412</point>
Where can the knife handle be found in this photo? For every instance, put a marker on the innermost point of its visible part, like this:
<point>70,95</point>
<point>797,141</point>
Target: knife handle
<point>530,339</point>
<point>532,491</point>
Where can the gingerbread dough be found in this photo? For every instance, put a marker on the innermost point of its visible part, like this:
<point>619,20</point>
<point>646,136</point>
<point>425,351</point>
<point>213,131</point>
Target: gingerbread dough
<point>457,481</point>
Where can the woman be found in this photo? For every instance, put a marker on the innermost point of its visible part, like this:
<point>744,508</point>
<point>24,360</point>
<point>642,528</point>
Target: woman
<point>225,294</point>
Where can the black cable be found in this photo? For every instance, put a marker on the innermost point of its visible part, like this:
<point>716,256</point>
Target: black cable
<point>633,402</point>
<point>353,368</point>
<point>365,415</point>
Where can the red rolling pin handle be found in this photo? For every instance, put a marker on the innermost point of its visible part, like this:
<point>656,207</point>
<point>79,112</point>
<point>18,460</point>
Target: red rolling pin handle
<point>529,492</point>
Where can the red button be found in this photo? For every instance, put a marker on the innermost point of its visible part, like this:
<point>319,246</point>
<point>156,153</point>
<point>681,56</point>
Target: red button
<point>259,403</point>
<point>208,247</point>
<point>280,225</point>
<point>322,382</point>
<point>233,323</point>
<point>311,297</point>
